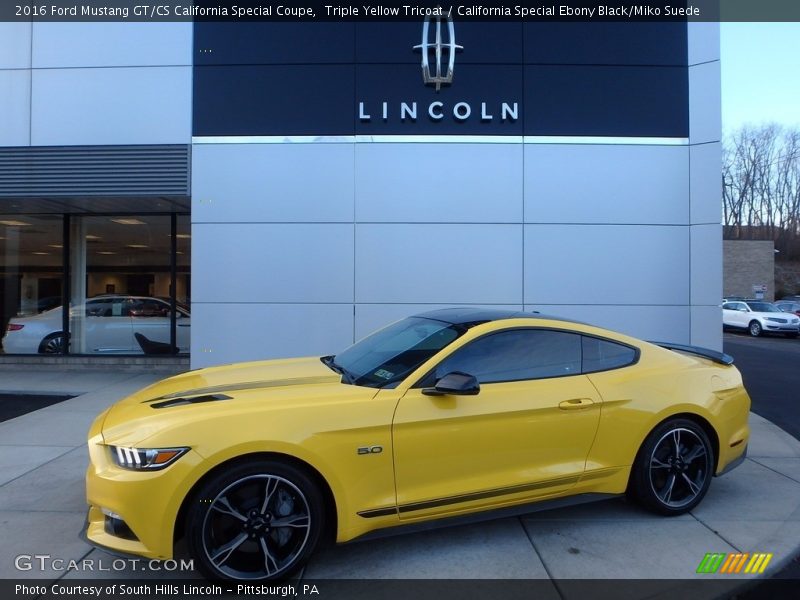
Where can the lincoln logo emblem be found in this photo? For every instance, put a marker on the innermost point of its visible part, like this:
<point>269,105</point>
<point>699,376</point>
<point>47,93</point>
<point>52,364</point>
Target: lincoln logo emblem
<point>437,48</point>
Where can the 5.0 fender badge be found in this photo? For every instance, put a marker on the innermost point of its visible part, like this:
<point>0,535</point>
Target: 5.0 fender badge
<point>370,450</point>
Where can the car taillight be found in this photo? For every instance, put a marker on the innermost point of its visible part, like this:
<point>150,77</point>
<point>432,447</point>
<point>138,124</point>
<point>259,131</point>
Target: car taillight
<point>14,327</point>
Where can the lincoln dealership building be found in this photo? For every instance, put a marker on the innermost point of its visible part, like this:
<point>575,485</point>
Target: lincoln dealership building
<point>245,190</point>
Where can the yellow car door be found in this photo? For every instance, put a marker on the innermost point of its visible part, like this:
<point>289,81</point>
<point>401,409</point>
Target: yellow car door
<point>525,435</point>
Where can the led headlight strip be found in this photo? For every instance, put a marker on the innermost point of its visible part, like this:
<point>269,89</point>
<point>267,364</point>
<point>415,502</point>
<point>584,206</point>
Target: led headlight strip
<point>145,459</point>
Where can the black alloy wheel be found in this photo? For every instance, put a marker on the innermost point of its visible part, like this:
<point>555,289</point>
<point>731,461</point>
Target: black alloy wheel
<point>256,522</point>
<point>674,467</point>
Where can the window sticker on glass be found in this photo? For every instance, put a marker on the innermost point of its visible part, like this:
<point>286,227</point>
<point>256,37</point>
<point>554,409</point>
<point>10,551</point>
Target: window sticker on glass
<point>384,374</point>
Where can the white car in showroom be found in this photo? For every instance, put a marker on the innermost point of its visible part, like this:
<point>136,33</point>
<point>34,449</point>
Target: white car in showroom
<point>757,317</point>
<point>111,324</point>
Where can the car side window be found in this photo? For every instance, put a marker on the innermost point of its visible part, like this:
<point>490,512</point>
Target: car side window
<point>120,307</point>
<point>97,308</point>
<point>516,355</point>
<point>149,308</point>
<point>729,306</point>
<point>602,355</point>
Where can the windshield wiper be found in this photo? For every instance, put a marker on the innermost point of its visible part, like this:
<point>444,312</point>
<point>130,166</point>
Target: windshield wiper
<point>330,362</point>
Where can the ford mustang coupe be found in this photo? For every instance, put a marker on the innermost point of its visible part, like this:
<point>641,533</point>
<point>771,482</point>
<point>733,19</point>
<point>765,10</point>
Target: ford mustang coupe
<point>443,414</point>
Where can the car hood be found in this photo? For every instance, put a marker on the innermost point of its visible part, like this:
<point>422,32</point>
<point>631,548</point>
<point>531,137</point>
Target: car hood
<point>775,315</point>
<point>204,393</point>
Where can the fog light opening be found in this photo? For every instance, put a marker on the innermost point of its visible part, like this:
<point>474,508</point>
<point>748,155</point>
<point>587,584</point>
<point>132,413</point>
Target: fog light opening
<point>116,526</point>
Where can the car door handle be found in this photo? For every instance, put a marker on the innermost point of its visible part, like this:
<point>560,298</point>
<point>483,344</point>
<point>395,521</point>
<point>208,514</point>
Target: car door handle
<point>575,404</point>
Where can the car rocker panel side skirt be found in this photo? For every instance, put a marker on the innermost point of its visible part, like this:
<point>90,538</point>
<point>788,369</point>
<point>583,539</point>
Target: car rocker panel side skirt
<point>451,520</point>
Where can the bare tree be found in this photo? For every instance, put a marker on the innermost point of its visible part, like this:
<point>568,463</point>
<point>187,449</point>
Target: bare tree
<point>761,186</point>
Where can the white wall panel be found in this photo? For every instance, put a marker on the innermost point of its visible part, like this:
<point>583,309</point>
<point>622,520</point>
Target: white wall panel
<point>272,263</point>
<point>15,94</point>
<point>112,106</point>
<point>111,44</point>
<point>371,317</point>
<point>606,184</point>
<point>707,327</point>
<point>565,264</point>
<point>223,333</point>
<point>442,182</point>
<point>706,183</point>
<point>661,323</point>
<point>705,97</point>
<point>703,41</point>
<point>15,45</point>
<point>706,272</point>
<point>439,263</point>
<point>272,182</point>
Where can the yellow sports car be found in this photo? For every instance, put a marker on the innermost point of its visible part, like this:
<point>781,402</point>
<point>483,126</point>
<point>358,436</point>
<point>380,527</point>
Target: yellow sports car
<point>443,414</point>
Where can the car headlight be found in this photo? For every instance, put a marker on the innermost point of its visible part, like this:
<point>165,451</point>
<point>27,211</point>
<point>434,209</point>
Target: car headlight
<point>145,459</point>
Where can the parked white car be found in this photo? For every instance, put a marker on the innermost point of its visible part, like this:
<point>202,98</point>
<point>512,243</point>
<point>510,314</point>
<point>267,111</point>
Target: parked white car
<point>758,317</point>
<point>110,326</point>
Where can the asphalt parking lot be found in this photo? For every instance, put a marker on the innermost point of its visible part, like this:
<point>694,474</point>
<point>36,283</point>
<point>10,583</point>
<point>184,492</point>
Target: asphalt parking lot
<point>770,366</point>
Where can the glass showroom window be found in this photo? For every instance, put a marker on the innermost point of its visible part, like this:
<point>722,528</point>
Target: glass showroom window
<point>122,270</point>
<point>31,283</point>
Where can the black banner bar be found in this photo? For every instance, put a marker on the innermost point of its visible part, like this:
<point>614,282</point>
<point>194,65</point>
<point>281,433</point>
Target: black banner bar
<point>402,589</point>
<point>390,10</point>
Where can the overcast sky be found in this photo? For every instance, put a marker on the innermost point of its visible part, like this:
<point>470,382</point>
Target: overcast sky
<point>760,74</point>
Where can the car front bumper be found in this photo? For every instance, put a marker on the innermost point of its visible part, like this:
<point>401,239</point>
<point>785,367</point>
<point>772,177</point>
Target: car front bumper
<point>781,327</point>
<point>135,512</point>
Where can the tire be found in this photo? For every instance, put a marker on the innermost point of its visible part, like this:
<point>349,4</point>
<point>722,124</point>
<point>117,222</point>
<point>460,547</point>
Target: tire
<point>668,486</point>
<point>754,328</point>
<point>52,344</point>
<point>231,525</point>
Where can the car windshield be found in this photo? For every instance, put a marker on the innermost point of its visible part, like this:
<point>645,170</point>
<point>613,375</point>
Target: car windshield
<point>762,307</point>
<point>389,355</point>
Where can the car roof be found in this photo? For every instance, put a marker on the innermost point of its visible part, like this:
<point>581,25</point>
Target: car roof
<point>470,317</point>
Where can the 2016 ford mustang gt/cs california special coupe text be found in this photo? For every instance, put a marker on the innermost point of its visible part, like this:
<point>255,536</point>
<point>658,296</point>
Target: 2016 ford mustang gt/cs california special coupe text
<point>443,414</point>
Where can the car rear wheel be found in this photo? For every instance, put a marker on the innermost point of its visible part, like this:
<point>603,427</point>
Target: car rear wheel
<point>259,521</point>
<point>755,328</point>
<point>674,467</point>
<point>52,344</point>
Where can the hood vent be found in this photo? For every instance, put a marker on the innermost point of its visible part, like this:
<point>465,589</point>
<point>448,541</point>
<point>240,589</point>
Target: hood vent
<point>191,400</point>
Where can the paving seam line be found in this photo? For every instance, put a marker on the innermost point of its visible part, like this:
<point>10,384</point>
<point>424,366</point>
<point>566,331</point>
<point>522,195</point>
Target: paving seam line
<point>789,477</point>
<point>541,558</point>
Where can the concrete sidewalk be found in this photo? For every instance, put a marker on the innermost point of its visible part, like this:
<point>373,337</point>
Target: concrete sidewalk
<point>755,508</point>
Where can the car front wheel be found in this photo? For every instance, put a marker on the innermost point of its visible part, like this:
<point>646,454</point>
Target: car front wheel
<point>674,467</point>
<point>755,328</point>
<point>259,521</point>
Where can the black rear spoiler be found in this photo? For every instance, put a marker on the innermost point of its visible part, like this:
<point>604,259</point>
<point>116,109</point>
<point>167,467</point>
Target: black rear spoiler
<point>717,357</point>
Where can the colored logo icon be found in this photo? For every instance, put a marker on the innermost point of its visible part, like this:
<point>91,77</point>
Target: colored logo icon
<point>735,562</point>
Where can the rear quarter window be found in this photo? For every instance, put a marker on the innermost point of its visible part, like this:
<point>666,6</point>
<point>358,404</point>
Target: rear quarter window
<point>602,355</point>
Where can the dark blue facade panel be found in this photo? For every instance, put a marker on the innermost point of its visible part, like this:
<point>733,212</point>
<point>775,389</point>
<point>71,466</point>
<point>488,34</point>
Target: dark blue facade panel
<point>607,101</point>
<point>343,79</point>
<point>273,100</point>
<point>593,43</point>
<point>268,43</point>
<point>483,43</point>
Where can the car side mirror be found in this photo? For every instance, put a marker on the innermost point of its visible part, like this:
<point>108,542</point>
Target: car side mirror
<point>455,383</point>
